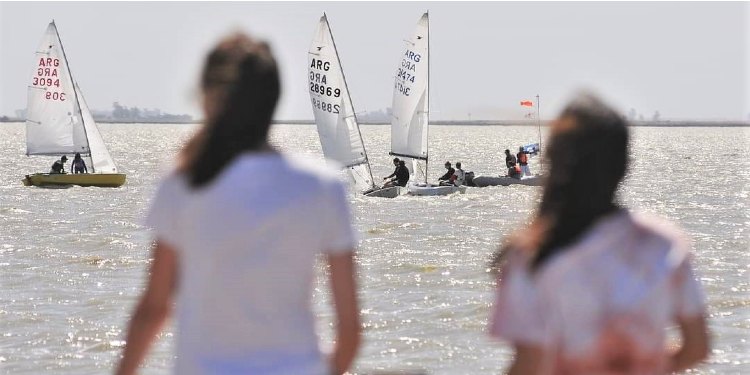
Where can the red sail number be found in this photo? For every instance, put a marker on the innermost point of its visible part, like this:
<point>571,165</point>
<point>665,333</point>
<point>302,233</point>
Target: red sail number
<point>48,82</point>
<point>53,95</point>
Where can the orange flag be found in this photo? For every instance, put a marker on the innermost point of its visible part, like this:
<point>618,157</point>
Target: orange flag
<point>527,103</point>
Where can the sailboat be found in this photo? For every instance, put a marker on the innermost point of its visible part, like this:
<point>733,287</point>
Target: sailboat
<point>410,114</point>
<point>531,149</point>
<point>58,121</point>
<point>335,118</point>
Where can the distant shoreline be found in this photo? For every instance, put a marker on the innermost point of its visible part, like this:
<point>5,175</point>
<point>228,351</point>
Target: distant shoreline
<point>653,124</point>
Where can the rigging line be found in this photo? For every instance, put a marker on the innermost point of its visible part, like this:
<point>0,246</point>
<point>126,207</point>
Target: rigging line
<point>75,91</point>
<point>427,125</point>
<point>355,173</point>
<point>348,95</point>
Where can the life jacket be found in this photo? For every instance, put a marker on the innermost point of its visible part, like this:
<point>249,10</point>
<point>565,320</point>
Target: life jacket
<point>510,161</point>
<point>523,158</point>
<point>402,175</point>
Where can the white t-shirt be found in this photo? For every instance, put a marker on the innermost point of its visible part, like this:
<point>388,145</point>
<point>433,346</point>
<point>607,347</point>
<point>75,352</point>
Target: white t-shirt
<point>460,177</point>
<point>604,302</point>
<point>247,245</point>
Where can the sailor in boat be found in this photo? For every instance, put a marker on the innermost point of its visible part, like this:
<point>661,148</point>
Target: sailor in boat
<point>78,165</point>
<point>447,178</point>
<point>510,162</point>
<point>523,161</point>
<point>459,176</point>
<point>395,171</point>
<point>58,167</point>
<point>400,175</point>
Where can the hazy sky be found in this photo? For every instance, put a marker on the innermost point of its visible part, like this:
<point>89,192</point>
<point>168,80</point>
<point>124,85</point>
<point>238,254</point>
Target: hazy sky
<point>686,60</point>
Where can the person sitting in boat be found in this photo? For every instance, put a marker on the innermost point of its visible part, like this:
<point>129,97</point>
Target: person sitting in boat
<point>58,167</point>
<point>78,165</point>
<point>400,176</point>
<point>510,160</point>
<point>392,175</point>
<point>459,176</point>
<point>523,160</point>
<point>514,171</point>
<point>447,178</point>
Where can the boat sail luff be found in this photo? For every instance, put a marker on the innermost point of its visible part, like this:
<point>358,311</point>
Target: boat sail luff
<point>427,104</point>
<point>366,163</point>
<point>334,113</point>
<point>410,109</point>
<point>82,127</point>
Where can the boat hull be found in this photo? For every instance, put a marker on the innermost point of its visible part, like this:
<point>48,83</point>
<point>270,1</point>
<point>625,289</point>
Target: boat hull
<point>81,179</point>
<point>389,192</point>
<point>483,181</point>
<point>431,190</point>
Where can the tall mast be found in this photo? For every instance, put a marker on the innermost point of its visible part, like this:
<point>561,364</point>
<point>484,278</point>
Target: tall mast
<point>427,125</point>
<point>349,95</point>
<point>539,123</point>
<point>75,92</point>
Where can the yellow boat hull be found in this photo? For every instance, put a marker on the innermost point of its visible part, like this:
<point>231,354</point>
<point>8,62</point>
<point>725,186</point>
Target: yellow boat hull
<point>81,179</point>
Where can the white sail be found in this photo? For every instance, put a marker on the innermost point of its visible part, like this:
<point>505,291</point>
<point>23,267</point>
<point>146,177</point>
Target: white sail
<point>53,121</point>
<point>333,109</point>
<point>58,121</point>
<point>410,111</point>
<point>101,161</point>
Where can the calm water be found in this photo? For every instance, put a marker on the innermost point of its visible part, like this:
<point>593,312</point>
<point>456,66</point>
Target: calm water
<point>72,261</point>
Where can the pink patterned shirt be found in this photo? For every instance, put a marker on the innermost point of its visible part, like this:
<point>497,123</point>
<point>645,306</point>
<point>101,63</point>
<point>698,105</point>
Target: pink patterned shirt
<point>603,306</point>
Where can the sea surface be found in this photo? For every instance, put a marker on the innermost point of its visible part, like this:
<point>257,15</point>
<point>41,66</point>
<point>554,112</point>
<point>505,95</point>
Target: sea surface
<point>73,261</point>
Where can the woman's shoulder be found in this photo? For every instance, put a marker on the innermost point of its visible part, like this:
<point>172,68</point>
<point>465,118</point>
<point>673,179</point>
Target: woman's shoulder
<point>173,182</point>
<point>632,235</point>
<point>655,224</point>
<point>320,169</point>
<point>303,169</point>
<point>658,234</point>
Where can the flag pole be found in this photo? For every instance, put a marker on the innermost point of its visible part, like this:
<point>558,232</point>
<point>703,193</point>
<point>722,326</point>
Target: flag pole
<point>539,124</point>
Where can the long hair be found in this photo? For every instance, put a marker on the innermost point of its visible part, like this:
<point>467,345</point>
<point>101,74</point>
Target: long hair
<point>587,162</point>
<point>244,76</point>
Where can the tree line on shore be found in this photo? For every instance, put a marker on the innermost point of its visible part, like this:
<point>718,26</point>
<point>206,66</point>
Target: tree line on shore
<point>121,113</point>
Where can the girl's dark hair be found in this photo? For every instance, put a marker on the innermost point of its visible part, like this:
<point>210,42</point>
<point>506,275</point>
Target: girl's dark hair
<point>244,76</point>
<point>586,164</point>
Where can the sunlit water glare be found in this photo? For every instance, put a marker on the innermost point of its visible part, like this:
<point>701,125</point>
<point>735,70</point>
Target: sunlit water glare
<point>72,261</point>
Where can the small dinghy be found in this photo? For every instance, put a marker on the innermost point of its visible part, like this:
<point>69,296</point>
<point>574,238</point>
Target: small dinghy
<point>483,181</point>
<point>81,179</point>
<point>335,118</point>
<point>59,122</point>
